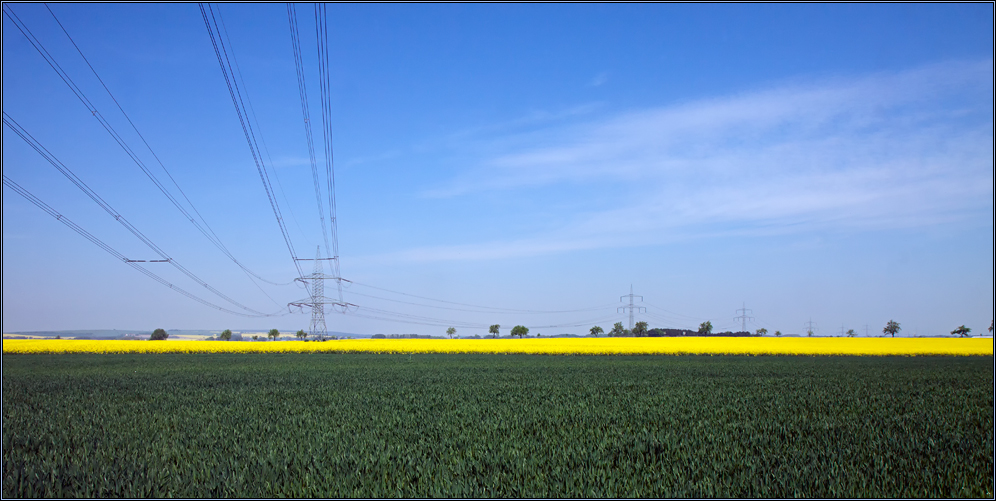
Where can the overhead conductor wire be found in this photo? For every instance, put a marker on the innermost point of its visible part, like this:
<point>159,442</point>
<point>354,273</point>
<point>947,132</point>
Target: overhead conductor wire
<point>251,115</point>
<point>322,35</point>
<point>306,114</point>
<point>69,174</point>
<point>492,308</point>
<point>212,237</point>
<point>221,52</point>
<point>96,241</point>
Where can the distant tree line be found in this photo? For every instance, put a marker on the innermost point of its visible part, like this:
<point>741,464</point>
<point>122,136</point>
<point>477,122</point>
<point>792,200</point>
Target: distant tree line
<point>657,332</point>
<point>641,329</point>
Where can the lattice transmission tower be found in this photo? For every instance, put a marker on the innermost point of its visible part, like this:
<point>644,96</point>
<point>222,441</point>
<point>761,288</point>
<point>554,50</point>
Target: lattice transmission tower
<point>744,316</point>
<point>631,307</point>
<point>317,300</point>
<point>811,327</point>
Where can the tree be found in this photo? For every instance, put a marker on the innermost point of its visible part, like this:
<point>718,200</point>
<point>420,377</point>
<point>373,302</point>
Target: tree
<point>850,332</point>
<point>493,330</point>
<point>705,328</point>
<point>596,330</point>
<point>762,331</point>
<point>640,329</point>
<point>450,332</point>
<point>891,328</point>
<point>617,330</point>
<point>301,334</point>
<point>520,331</point>
<point>961,331</point>
<point>159,335</point>
<point>778,333</point>
<point>255,337</point>
<point>273,334</point>
<point>226,335</point>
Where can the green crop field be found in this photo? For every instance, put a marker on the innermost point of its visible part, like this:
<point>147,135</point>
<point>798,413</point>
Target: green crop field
<point>358,425</point>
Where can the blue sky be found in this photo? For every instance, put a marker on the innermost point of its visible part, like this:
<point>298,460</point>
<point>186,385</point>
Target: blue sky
<point>831,163</point>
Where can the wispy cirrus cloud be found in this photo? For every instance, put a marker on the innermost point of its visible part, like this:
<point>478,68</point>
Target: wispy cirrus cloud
<point>880,151</point>
<point>530,121</point>
<point>599,80</point>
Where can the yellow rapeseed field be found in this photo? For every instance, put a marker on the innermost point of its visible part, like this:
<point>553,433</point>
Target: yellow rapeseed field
<point>553,346</point>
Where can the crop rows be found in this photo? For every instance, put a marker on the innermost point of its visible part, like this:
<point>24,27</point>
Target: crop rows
<point>357,425</point>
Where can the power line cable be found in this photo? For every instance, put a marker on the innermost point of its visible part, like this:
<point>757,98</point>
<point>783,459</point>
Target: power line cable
<point>321,31</point>
<point>99,243</point>
<point>580,323</point>
<point>416,318</point>
<point>761,323</point>
<point>306,114</point>
<point>422,320</point>
<point>252,116</point>
<point>434,324</point>
<point>690,317</point>
<point>390,316</point>
<point>459,309</point>
<point>212,237</point>
<point>671,323</point>
<point>236,95</point>
<point>69,174</point>
<point>490,308</point>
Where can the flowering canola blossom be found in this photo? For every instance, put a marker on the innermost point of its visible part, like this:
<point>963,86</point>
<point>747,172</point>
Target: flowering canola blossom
<point>552,346</point>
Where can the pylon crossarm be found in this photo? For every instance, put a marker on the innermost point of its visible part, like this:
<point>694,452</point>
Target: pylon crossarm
<point>344,306</point>
<point>321,301</point>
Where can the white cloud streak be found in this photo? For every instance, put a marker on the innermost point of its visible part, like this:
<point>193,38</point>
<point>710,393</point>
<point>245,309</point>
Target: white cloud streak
<point>881,151</point>
<point>599,79</point>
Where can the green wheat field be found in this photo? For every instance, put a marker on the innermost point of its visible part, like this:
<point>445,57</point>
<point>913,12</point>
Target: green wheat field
<point>476,425</point>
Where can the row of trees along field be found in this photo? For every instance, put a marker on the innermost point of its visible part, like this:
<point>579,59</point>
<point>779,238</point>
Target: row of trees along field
<point>892,328</point>
<point>641,329</point>
<point>227,335</point>
<point>518,330</point>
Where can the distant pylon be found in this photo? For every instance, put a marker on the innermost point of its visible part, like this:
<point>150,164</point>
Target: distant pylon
<point>631,307</point>
<point>317,299</point>
<point>809,327</point>
<point>743,316</point>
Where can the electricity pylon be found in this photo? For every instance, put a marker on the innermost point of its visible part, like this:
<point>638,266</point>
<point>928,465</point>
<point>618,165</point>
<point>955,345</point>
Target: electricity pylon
<point>631,307</point>
<point>809,327</point>
<point>743,316</point>
<point>317,301</point>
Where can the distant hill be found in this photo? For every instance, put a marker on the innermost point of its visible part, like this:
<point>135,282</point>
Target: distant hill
<point>144,334</point>
<point>80,334</point>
